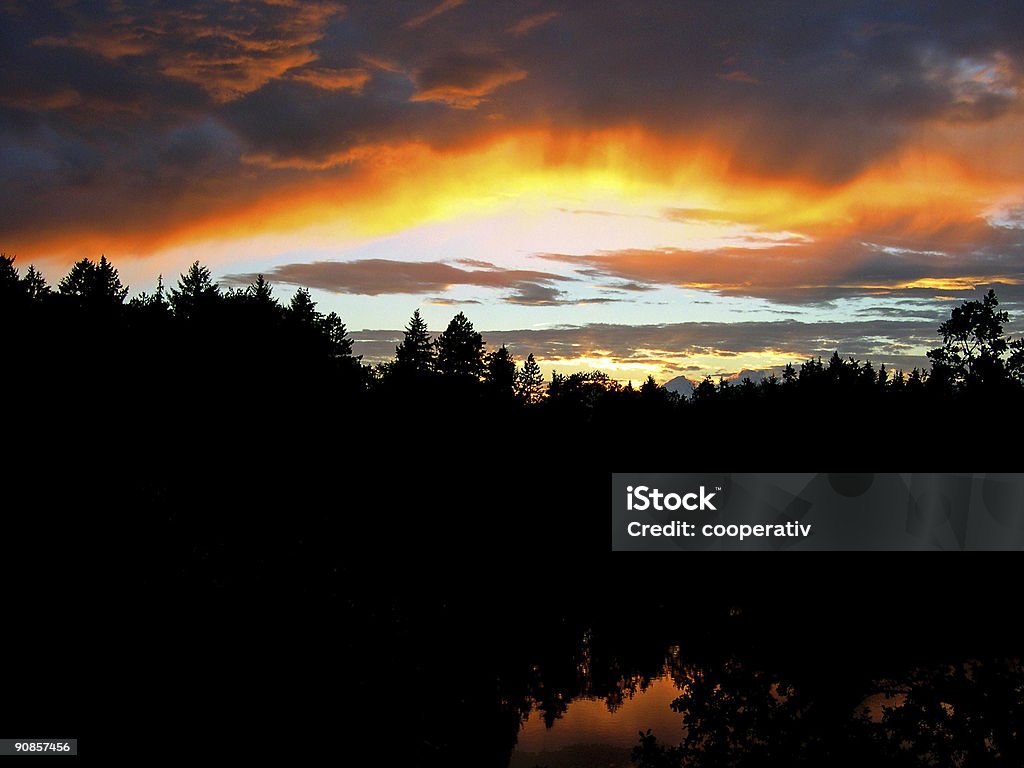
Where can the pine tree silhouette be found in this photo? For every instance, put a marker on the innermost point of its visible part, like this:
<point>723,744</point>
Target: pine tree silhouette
<point>460,349</point>
<point>530,381</point>
<point>415,354</point>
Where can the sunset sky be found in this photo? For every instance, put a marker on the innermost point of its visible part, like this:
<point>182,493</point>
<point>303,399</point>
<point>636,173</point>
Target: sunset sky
<point>640,187</point>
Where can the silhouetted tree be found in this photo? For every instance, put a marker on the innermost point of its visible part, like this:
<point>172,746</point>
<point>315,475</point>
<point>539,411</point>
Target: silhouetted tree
<point>769,385</point>
<point>8,272</point>
<point>94,286</point>
<point>883,378</point>
<point>196,294</point>
<point>748,389</point>
<point>336,334</point>
<point>735,716</point>
<point>916,380</point>
<point>151,305</point>
<point>415,354</point>
<point>460,349</point>
<point>812,373</point>
<point>302,308</point>
<point>898,383</point>
<point>789,374</point>
<point>34,284</point>
<point>530,381</point>
<point>1015,362</point>
<point>500,372</point>
<point>581,390</point>
<point>973,345</point>
<point>260,293</point>
<point>653,395</point>
<point>12,288</point>
<point>256,315</point>
<point>966,715</point>
<point>705,391</point>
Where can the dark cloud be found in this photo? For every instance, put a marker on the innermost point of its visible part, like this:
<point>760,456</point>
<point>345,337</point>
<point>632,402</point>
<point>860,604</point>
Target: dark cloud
<point>936,314</point>
<point>373,277</point>
<point>958,256</point>
<point>443,302</point>
<point>536,295</point>
<point>866,339</point>
<point>828,99</point>
<point>881,341</point>
<point>226,52</point>
<point>464,80</point>
<point>93,94</point>
<point>635,287</point>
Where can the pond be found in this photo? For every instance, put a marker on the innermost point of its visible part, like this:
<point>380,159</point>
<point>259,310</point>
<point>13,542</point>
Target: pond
<point>597,731</point>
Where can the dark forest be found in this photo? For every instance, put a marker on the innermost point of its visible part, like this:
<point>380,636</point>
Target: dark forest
<point>245,489</point>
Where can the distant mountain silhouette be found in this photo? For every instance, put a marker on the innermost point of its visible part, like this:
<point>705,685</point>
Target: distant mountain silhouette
<point>684,386</point>
<point>680,384</point>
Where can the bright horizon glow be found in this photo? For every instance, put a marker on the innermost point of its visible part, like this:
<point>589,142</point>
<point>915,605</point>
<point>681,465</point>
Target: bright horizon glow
<point>388,163</point>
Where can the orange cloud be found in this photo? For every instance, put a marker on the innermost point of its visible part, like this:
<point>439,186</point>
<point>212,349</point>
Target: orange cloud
<point>437,10</point>
<point>328,79</point>
<point>61,98</point>
<point>226,54</point>
<point>464,80</point>
<point>771,236</point>
<point>115,42</point>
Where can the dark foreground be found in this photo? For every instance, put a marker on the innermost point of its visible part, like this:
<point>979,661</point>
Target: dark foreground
<point>410,590</point>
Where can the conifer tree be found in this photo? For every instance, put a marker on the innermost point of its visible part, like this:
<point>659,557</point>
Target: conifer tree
<point>460,349</point>
<point>196,293</point>
<point>415,355</point>
<point>95,285</point>
<point>530,381</point>
<point>501,371</point>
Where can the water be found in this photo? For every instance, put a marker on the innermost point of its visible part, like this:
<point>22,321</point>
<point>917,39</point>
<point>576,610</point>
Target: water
<point>597,732</point>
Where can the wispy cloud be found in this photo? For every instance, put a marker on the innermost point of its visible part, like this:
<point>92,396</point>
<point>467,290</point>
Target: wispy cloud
<point>464,80</point>
<point>698,348</point>
<point>443,7</point>
<point>226,54</point>
<point>332,79</point>
<point>532,22</point>
<point>374,277</point>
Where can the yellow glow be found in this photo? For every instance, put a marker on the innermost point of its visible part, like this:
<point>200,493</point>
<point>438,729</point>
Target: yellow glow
<point>957,283</point>
<point>669,364</point>
<point>390,188</point>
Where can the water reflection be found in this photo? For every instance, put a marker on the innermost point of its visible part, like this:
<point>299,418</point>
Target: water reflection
<point>600,731</point>
<point>730,712</point>
<point>562,686</point>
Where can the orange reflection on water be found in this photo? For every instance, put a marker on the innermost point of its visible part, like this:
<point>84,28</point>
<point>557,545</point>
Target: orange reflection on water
<point>590,730</point>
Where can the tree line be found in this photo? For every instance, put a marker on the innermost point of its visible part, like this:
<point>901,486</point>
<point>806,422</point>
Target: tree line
<point>197,318</point>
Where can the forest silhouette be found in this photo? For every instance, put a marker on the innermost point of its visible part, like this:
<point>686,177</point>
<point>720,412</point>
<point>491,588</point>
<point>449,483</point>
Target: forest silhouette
<point>245,434</point>
<point>259,482</point>
<point>226,337</point>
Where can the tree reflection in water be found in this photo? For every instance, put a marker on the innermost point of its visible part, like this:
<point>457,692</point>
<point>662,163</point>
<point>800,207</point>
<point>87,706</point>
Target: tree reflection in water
<point>967,714</point>
<point>735,710</point>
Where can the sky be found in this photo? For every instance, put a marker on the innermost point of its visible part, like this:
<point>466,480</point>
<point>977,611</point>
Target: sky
<point>643,188</point>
